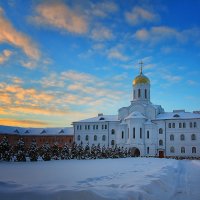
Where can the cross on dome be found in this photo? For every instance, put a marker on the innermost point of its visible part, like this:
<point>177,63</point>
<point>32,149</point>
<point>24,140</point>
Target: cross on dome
<point>141,65</point>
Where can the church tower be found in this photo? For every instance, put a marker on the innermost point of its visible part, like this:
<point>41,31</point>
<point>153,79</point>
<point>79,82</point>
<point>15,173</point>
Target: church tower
<point>141,88</point>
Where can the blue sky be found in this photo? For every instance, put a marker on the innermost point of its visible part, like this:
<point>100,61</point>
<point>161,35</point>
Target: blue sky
<point>61,61</point>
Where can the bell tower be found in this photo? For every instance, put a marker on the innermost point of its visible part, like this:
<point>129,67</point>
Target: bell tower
<point>141,87</point>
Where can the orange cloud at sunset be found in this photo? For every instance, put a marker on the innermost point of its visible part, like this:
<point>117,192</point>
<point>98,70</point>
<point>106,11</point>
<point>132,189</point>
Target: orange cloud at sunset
<point>23,123</point>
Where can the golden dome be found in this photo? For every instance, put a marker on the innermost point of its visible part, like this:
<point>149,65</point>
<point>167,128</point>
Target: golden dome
<point>141,79</point>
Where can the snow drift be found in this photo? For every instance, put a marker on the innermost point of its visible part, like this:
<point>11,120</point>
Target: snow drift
<point>129,178</point>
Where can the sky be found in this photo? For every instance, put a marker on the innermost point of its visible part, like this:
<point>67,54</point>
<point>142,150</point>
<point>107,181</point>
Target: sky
<point>62,61</point>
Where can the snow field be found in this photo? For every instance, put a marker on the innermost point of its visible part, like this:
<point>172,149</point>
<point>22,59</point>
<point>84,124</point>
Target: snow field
<point>128,178</point>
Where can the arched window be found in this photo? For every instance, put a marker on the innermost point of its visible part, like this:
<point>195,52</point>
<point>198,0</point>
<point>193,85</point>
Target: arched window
<point>140,133</point>
<point>95,138</point>
<point>182,149</point>
<point>160,131</point>
<point>128,133</point>
<point>113,131</point>
<point>103,138</point>
<point>78,137</point>
<point>173,125</point>
<point>172,150</point>
<point>190,124</point>
<point>160,142</point>
<point>172,137</point>
<point>122,134</point>
<point>145,93</point>
<point>134,133</point>
<point>112,142</point>
<point>86,137</point>
<point>195,124</point>
<point>169,125</point>
<point>194,150</point>
<point>139,93</point>
<point>147,134</point>
<point>182,137</point>
<point>147,150</point>
<point>193,137</point>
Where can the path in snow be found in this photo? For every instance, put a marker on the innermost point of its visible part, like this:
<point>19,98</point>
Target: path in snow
<point>131,178</point>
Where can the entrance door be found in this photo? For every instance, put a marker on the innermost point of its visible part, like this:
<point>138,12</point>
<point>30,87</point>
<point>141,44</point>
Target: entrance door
<point>161,154</point>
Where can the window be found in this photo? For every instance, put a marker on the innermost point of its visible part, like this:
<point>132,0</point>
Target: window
<point>113,131</point>
<point>180,125</point>
<point>85,127</point>
<point>95,138</point>
<point>80,127</point>
<point>122,134</point>
<point>103,138</point>
<point>102,126</point>
<point>77,127</point>
<point>128,133</point>
<point>160,131</point>
<point>97,127</point>
<point>169,125</point>
<point>147,150</point>
<point>184,125</point>
<point>79,138</point>
<point>112,142</point>
<point>102,118</point>
<point>193,137</point>
<point>134,94</point>
<point>182,149</point>
<point>88,127</point>
<point>93,127</point>
<point>182,137</point>
<point>134,133</point>
<point>173,125</point>
<point>190,124</point>
<point>106,126</point>
<point>139,93</point>
<point>86,137</point>
<point>145,93</point>
<point>176,115</point>
<point>194,150</point>
<point>172,150</point>
<point>147,134</point>
<point>160,142</point>
<point>171,137</point>
<point>195,124</point>
<point>140,133</point>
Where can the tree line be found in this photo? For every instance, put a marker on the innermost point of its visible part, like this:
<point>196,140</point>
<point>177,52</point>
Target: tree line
<point>54,152</point>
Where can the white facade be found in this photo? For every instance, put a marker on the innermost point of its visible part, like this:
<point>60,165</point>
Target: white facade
<point>144,127</point>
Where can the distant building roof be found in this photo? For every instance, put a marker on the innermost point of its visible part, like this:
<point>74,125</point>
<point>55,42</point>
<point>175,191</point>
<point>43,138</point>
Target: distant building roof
<point>36,131</point>
<point>101,118</point>
<point>178,115</point>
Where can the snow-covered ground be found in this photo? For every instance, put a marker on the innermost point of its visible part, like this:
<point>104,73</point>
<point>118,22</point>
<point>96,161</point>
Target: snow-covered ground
<point>128,178</point>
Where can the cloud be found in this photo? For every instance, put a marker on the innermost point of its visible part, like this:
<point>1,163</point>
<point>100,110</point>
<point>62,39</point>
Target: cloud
<point>101,33</point>
<point>140,15</point>
<point>10,35</point>
<point>5,56</point>
<point>23,123</point>
<point>172,78</point>
<point>102,9</point>
<point>59,15</point>
<point>115,53</point>
<point>159,33</point>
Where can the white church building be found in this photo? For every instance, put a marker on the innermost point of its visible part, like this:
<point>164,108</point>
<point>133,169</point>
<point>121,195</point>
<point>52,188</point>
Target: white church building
<point>144,127</point>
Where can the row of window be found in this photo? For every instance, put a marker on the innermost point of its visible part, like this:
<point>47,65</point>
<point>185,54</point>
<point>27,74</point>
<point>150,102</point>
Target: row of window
<point>139,93</point>
<point>87,138</point>
<point>122,134</point>
<point>182,125</point>
<point>172,150</point>
<point>182,137</point>
<point>95,127</point>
